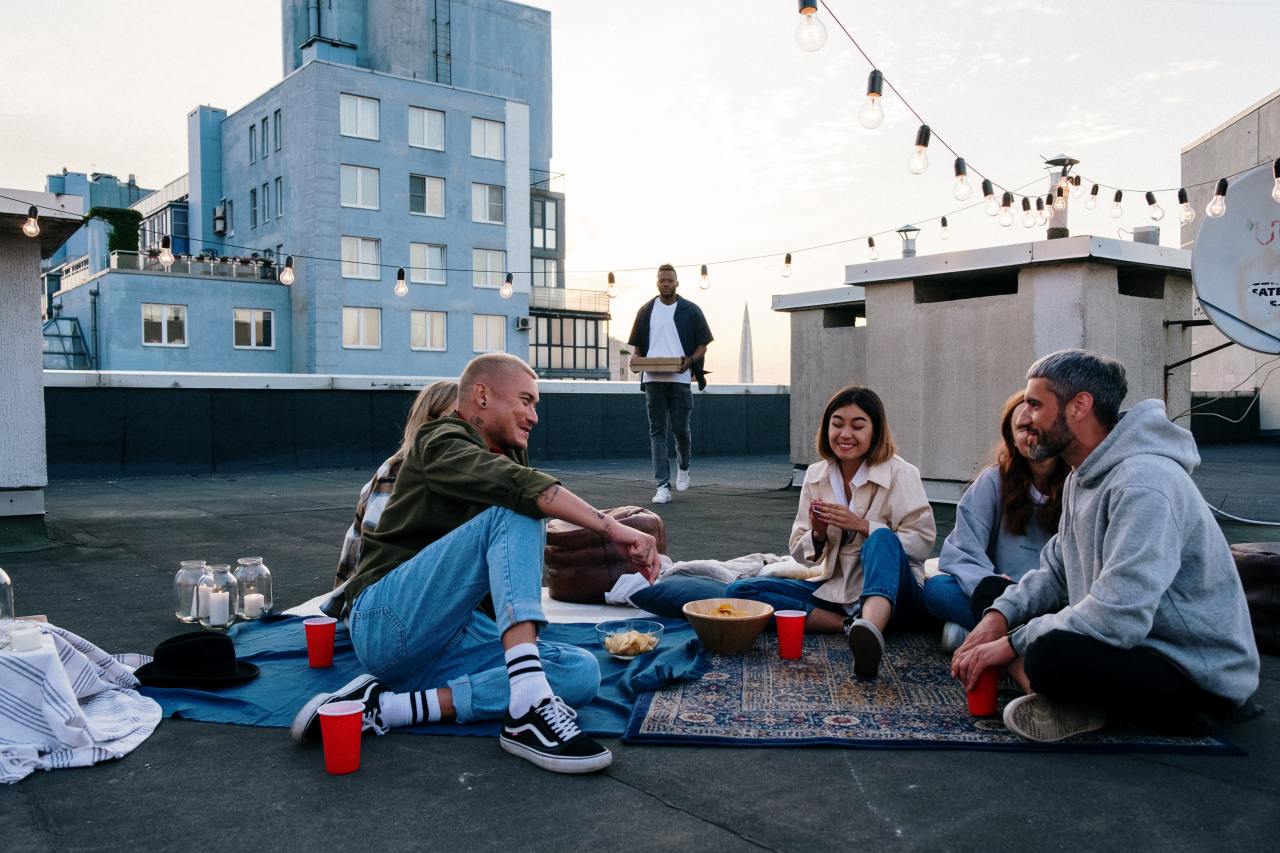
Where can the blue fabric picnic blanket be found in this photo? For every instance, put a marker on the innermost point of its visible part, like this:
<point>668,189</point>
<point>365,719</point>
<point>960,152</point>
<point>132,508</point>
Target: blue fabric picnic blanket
<point>277,645</point>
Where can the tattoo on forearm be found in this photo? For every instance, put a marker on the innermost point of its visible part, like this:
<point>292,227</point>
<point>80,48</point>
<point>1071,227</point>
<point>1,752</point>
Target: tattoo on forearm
<point>599,515</point>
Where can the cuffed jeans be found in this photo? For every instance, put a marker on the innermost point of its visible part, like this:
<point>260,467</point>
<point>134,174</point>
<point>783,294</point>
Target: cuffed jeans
<point>418,627</point>
<point>668,401</point>
<point>886,572</point>
<point>944,598</point>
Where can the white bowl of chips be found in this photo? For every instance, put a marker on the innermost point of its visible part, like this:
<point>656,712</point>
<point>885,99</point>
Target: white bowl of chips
<point>626,639</point>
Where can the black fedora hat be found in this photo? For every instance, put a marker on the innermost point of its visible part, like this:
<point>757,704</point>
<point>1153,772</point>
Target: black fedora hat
<point>196,659</point>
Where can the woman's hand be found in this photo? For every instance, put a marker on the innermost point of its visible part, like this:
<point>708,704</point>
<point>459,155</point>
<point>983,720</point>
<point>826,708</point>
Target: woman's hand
<point>838,516</point>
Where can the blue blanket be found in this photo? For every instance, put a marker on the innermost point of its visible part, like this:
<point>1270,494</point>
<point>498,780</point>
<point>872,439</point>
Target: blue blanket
<point>278,647</point>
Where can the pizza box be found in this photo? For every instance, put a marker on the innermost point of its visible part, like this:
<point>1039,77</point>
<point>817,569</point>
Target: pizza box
<point>656,364</point>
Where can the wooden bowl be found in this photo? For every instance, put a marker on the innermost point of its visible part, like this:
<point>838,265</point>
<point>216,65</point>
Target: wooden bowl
<point>727,635</point>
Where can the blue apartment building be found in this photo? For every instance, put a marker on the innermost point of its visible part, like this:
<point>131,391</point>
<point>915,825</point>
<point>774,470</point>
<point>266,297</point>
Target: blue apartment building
<point>412,136</point>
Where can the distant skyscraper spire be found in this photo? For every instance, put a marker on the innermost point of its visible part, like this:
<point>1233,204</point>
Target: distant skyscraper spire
<point>746,368</point>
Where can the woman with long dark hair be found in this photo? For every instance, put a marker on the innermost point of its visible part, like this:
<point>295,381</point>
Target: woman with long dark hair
<point>865,526</point>
<point>1003,521</point>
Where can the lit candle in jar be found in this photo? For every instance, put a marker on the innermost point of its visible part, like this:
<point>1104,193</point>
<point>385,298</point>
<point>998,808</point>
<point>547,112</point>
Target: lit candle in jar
<point>253,604</point>
<point>204,602</point>
<point>219,612</point>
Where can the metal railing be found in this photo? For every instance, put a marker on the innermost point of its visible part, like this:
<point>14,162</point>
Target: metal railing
<point>562,299</point>
<point>242,269</point>
<point>75,272</point>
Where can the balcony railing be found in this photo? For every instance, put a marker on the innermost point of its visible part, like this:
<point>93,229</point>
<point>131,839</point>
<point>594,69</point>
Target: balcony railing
<point>75,272</point>
<point>561,299</point>
<point>242,269</point>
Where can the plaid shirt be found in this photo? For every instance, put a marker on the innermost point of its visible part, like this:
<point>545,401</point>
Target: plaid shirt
<point>373,497</point>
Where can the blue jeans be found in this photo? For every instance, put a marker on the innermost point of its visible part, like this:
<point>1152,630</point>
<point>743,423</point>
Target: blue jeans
<point>886,572</point>
<point>944,598</point>
<point>418,627</point>
<point>668,401</point>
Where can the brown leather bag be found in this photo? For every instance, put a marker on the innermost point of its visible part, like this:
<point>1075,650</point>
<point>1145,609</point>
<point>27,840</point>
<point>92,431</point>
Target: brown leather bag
<point>1259,566</point>
<point>582,565</point>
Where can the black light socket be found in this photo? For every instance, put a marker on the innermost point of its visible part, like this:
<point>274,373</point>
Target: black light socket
<point>875,83</point>
<point>923,135</point>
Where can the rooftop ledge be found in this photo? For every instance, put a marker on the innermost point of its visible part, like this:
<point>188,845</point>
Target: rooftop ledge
<point>343,382</point>
<point>1083,248</point>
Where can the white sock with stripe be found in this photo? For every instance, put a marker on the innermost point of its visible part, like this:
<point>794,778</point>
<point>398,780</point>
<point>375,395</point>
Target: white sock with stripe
<point>408,709</point>
<point>528,682</point>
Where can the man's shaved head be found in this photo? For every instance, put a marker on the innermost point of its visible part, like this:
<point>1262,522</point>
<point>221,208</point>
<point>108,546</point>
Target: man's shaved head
<point>492,368</point>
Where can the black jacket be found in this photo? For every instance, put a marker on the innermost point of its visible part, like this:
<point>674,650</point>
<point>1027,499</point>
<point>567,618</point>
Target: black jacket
<point>691,326</point>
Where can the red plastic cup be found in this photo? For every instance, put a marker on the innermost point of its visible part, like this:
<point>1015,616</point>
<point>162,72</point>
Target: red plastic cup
<point>340,726</point>
<point>982,698</point>
<point>790,625</point>
<point>320,631</point>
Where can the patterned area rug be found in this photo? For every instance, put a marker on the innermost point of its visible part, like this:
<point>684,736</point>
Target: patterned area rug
<point>759,699</point>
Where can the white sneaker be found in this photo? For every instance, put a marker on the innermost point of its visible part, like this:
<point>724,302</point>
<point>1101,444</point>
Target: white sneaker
<point>682,480</point>
<point>662,496</point>
<point>1033,717</point>
<point>952,636</point>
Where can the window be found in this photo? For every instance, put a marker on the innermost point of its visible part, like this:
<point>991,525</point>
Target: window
<point>488,204</point>
<point>164,325</point>
<point>569,344</point>
<point>360,258</point>
<point>266,202</point>
<point>426,263</point>
<point>253,328</point>
<point>488,333</point>
<point>276,127</point>
<point>253,143</point>
<point>426,195</point>
<point>279,197</point>
<point>488,267</point>
<point>231,218</point>
<point>359,117</point>
<point>426,128</point>
<point>265,137</point>
<point>544,272</point>
<point>486,139</point>
<point>361,328</point>
<point>543,216</point>
<point>359,187</point>
<point>253,208</point>
<point>427,330</point>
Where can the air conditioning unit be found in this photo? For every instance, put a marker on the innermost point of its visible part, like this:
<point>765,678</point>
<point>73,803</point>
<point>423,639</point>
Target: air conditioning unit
<point>220,219</point>
<point>523,324</point>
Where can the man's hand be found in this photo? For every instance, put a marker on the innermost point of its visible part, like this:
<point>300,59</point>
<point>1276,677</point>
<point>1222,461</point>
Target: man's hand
<point>968,664</point>
<point>640,548</point>
<point>685,361</point>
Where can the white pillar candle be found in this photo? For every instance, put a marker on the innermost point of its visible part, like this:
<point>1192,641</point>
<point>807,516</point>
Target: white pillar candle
<point>204,601</point>
<point>253,604</point>
<point>219,608</point>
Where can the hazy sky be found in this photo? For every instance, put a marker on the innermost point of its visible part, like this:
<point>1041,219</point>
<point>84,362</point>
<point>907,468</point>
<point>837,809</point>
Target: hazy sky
<point>696,130</point>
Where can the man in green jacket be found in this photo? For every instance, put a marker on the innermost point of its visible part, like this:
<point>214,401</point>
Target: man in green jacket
<point>462,524</point>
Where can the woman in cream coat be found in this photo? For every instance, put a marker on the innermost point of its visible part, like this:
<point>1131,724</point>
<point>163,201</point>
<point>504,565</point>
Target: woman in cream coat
<point>864,525</point>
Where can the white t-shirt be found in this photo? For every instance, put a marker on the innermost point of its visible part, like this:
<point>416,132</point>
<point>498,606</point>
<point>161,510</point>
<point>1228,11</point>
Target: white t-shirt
<point>664,342</point>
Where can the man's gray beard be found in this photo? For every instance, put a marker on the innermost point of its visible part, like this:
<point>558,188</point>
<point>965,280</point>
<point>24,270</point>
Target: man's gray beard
<point>1053,442</point>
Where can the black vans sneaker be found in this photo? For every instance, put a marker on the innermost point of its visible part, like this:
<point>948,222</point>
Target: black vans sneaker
<point>363,688</point>
<point>547,735</point>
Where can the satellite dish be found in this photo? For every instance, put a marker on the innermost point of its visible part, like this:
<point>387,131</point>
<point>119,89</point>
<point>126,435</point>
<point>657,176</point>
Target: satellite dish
<point>1235,264</point>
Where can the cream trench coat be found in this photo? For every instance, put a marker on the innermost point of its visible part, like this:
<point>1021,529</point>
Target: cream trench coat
<point>897,501</point>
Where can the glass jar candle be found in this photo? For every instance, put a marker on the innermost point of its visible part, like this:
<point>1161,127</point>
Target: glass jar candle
<point>253,582</point>
<point>186,598</point>
<point>218,598</point>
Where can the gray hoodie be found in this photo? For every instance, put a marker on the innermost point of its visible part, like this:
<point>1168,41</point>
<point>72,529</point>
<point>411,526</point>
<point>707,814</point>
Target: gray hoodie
<point>1138,561</point>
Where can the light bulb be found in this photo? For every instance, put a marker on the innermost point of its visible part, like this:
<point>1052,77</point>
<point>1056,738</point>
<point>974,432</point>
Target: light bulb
<point>919,160</point>
<point>1275,172</point>
<point>508,287</point>
<point>1028,217</point>
<point>1117,210</point>
<point>961,191</point>
<point>1042,212</point>
<point>1006,210</point>
<point>872,252</point>
<point>705,281</point>
<point>32,226</point>
<point>1218,205</point>
<point>401,288</point>
<point>1156,211</point>
<point>1186,213</point>
<point>166,252</point>
<point>1092,201</point>
<point>286,274</point>
<point>1059,199</point>
<point>945,234</point>
<point>1077,187</point>
<point>811,34</point>
<point>612,289</point>
<point>786,266</point>
<point>989,193</point>
<point>871,115</point>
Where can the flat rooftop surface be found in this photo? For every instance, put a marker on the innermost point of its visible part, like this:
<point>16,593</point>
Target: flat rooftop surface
<point>108,574</point>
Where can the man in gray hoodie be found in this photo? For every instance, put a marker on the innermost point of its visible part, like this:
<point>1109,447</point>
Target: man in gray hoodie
<point>1136,611</point>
